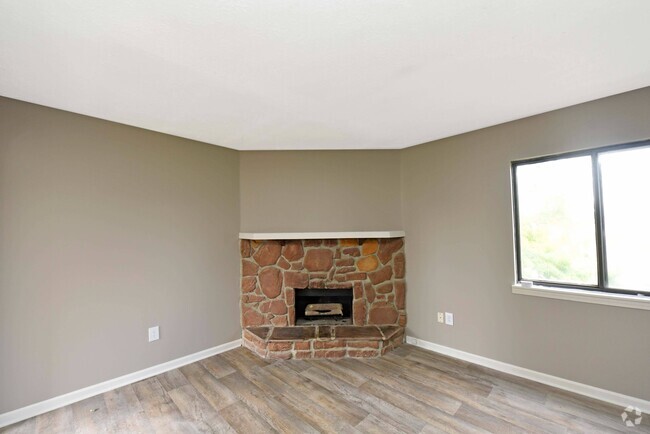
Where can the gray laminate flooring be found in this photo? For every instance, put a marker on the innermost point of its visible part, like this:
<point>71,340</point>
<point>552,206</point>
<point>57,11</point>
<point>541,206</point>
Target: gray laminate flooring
<point>409,390</point>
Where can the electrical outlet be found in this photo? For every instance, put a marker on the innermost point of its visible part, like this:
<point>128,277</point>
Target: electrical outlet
<point>154,333</point>
<point>441,317</point>
<point>449,318</point>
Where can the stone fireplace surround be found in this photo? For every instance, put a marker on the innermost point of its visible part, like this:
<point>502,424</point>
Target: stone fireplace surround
<point>271,271</point>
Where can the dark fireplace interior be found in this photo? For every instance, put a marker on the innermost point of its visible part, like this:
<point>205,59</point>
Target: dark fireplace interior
<point>323,306</point>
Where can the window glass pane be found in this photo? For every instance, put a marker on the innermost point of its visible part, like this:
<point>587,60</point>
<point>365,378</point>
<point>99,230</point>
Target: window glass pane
<point>556,221</point>
<point>626,205</point>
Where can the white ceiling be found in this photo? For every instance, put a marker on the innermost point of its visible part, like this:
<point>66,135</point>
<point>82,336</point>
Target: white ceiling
<point>329,74</point>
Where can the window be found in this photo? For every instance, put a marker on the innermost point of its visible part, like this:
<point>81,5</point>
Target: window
<point>582,219</point>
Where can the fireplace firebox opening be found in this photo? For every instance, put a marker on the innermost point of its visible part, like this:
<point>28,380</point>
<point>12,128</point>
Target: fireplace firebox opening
<point>323,306</point>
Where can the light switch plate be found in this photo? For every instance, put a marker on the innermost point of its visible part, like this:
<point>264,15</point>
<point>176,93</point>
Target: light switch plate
<point>449,318</point>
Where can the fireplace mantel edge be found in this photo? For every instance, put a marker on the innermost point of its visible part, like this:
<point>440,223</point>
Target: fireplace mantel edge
<point>318,235</point>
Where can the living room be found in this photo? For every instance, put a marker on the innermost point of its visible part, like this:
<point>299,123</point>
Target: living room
<point>324,217</point>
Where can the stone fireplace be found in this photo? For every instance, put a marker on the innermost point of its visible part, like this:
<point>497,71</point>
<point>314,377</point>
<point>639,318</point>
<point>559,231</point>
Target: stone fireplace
<point>334,297</point>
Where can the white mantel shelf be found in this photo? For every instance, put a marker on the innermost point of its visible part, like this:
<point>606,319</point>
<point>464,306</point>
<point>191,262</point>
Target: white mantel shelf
<point>318,235</point>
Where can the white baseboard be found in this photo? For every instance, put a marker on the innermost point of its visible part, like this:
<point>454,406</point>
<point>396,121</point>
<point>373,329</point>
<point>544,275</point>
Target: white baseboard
<point>550,380</point>
<point>81,394</point>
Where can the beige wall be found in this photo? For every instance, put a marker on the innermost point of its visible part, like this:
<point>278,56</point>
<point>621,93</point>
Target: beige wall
<point>459,249</point>
<point>106,230</point>
<point>287,191</point>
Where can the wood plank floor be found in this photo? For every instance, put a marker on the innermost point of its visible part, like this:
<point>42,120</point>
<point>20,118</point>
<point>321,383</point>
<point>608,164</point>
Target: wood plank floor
<point>407,391</point>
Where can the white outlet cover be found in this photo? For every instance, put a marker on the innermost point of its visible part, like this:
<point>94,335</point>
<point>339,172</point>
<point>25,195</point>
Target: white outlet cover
<point>154,333</point>
<point>441,317</point>
<point>449,318</point>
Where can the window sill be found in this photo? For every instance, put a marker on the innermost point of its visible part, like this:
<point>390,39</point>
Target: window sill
<point>585,296</point>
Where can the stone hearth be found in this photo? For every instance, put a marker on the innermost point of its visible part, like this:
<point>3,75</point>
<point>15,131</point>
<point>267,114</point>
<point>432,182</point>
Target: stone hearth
<point>304,342</point>
<point>272,271</point>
